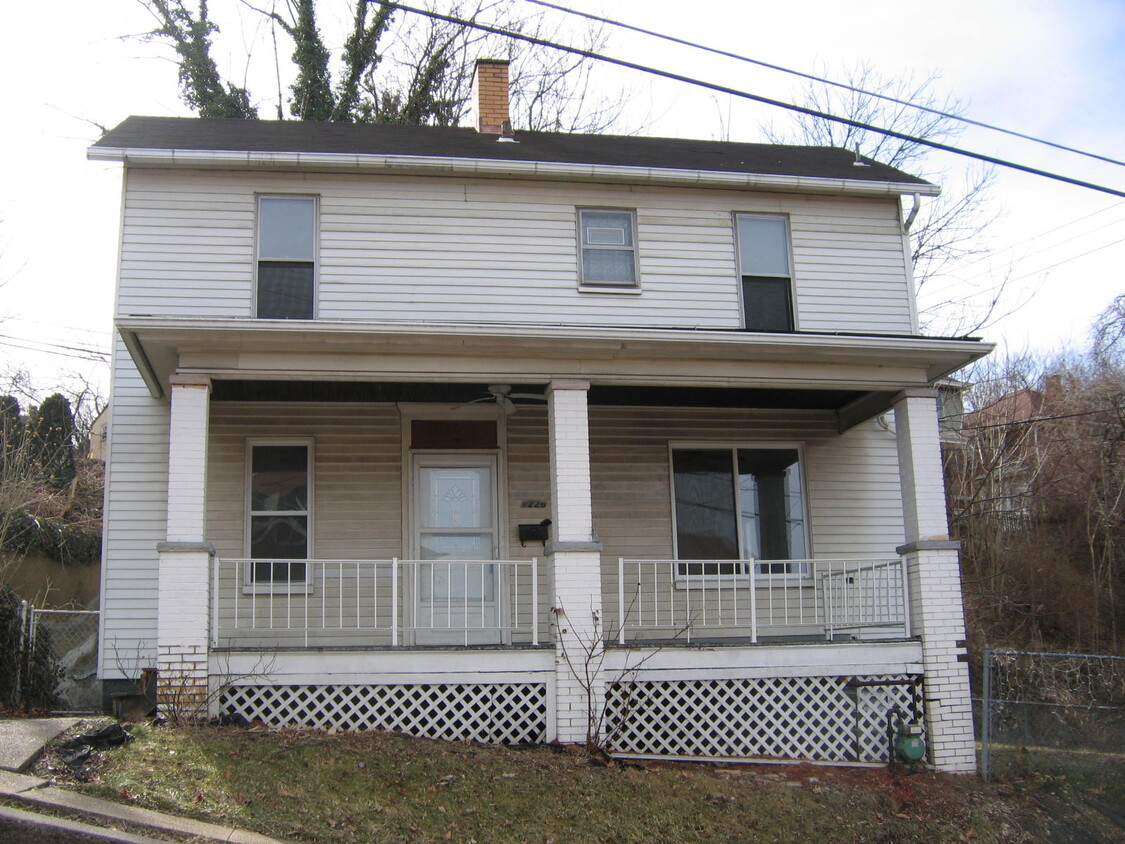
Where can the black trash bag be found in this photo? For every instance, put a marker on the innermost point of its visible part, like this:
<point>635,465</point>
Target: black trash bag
<point>78,749</point>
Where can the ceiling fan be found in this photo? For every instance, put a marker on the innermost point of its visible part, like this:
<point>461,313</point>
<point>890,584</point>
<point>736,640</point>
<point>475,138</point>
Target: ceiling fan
<point>502,394</point>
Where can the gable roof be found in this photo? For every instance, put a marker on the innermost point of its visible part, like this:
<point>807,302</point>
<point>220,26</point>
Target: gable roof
<point>284,138</point>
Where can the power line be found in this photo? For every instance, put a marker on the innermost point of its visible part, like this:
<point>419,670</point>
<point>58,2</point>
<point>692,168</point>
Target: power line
<point>1011,246</point>
<point>1068,260</point>
<point>1047,268</point>
<point>75,352</point>
<point>1033,420</point>
<point>723,89</point>
<point>822,80</point>
<point>57,325</point>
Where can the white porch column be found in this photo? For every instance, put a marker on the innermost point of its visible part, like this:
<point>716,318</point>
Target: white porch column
<point>183,590</point>
<point>576,585</point>
<point>937,607</point>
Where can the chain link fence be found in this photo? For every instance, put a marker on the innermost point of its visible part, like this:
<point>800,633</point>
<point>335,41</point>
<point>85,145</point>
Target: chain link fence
<point>73,638</point>
<point>1052,713</point>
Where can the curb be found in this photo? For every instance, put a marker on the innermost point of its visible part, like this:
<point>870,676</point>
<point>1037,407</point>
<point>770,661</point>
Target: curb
<point>38,792</point>
<point>46,824</point>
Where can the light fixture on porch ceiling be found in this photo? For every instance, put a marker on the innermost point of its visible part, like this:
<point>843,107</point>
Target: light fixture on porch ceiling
<point>502,394</point>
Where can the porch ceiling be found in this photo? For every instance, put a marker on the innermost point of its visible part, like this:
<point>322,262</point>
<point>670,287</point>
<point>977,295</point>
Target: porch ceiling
<point>643,366</point>
<point>600,395</point>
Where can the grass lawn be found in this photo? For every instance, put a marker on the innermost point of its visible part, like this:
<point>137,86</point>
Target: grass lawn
<point>376,787</point>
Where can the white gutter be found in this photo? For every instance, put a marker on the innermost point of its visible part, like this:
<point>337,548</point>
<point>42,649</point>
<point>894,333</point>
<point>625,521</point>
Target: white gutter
<point>543,331</point>
<point>494,168</point>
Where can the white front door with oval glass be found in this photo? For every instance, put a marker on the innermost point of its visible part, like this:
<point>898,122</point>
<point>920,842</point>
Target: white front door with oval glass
<point>455,584</point>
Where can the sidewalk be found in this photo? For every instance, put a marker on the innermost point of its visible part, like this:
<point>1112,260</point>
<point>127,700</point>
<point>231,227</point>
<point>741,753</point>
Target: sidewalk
<point>21,742</point>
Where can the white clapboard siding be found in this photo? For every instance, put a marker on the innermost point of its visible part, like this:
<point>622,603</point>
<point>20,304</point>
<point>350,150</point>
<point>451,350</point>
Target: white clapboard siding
<point>357,474</point>
<point>393,246</point>
<point>852,481</point>
<point>135,521</point>
<point>853,487</point>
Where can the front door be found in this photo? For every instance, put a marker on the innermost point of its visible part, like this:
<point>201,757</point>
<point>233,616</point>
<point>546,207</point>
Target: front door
<point>455,586</point>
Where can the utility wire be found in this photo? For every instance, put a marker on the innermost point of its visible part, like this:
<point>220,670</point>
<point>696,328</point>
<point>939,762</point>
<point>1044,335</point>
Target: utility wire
<point>1047,268</point>
<point>1112,408</point>
<point>1035,238</point>
<point>723,89</point>
<point>822,80</point>
<point>55,349</point>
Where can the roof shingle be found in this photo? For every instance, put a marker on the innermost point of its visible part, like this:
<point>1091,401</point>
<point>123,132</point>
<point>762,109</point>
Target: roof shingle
<point>183,133</point>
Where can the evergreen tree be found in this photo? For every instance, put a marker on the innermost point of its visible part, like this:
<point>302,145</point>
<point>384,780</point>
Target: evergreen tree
<point>52,442</point>
<point>393,67</point>
<point>11,436</point>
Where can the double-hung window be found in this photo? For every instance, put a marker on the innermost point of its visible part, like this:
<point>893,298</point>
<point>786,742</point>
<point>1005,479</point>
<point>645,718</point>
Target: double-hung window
<point>279,512</point>
<point>287,236</point>
<point>608,247</point>
<point>767,281</point>
<point>738,504</point>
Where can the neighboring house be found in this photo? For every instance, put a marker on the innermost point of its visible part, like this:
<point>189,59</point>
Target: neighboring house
<point>360,367</point>
<point>1005,451</point>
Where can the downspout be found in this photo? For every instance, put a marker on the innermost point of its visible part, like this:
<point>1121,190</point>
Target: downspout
<point>913,212</point>
<point>908,263</point>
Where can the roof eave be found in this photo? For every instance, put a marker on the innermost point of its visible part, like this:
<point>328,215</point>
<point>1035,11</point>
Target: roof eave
<point>156,346</point>
<point>497,168</point>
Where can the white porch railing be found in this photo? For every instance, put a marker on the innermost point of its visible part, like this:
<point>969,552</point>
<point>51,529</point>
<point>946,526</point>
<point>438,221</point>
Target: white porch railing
<point>680,599</point>
<point>380,603</point>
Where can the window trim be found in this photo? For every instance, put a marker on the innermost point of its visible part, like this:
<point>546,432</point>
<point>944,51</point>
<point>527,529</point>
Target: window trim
<point>682,580</point>
<point>258,197</point>
<point>794,316</point>
<point>249,585</point>
<point>587,286</point>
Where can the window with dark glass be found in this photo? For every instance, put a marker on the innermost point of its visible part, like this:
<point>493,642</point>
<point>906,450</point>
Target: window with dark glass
<point>738,504</point>
<point>608,247</point>
<point>286,257</point>
<point>279,513</point>
<point>767,283</point>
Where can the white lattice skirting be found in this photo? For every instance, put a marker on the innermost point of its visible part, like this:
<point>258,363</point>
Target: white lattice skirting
<point>826,719</point>
<point>507,713</point>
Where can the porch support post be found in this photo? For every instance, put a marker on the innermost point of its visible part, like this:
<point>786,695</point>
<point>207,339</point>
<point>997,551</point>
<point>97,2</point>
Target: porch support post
<point>575,567</point>
<point>937,609</point>
<point>183,588</point>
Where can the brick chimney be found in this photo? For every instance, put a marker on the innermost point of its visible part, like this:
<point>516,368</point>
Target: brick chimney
<point>490,97</point>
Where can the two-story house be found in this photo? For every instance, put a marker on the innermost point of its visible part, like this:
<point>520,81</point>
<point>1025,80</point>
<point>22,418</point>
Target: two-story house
<point>516,438</point>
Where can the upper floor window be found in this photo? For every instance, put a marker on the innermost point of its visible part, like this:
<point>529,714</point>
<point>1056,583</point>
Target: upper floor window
<point>767,281</point>
<point>607,242</point>
<point>287,236</point>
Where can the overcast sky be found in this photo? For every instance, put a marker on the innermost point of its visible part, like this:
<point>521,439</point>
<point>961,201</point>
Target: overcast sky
<point>1049,68</point>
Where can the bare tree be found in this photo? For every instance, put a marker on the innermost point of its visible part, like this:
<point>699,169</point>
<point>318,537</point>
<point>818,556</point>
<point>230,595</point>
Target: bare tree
<point>1037,492</point>
<point>393,67</point>
<point>1108,335</point>
<point>946,230</point>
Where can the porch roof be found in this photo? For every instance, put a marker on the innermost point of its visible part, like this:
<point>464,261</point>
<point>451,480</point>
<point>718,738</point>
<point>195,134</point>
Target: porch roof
<point>861,370</point>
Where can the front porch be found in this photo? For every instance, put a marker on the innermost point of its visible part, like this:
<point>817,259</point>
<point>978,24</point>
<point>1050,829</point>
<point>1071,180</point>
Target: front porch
<point>396,603</point>
<point>740,528</point>
<point>824,703</point>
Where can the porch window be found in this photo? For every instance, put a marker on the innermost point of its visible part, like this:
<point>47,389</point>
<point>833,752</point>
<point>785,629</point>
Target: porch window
<point>608,247</point>
<point>278,526</point>
<point>738,504</point>
<point>763,259</point>
<point>287,235</point>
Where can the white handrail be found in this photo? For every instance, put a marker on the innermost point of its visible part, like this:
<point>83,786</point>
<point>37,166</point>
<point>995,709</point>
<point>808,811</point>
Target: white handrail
<point>814,597</point>
<point>275,602</point>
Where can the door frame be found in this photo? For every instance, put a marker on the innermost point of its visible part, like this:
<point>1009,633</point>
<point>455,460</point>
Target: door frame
<point>410,411</point>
